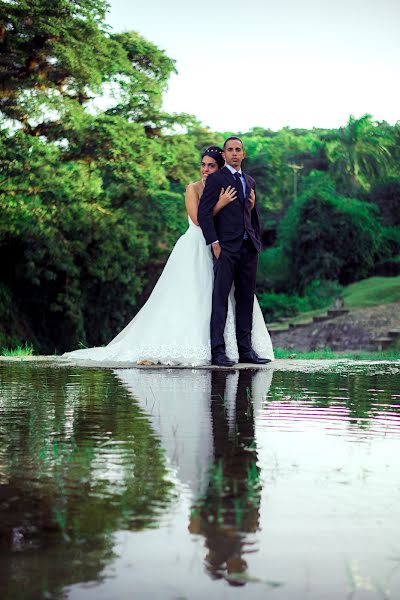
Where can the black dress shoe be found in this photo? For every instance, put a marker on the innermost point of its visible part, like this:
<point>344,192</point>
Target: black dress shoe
<point>252,357</point>
<point>221,360</point>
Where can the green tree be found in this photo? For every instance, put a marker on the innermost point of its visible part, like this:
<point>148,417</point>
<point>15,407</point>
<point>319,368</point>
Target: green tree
<point>57,55</point>
<point>269,155</point>
<point>85,208</point>
<point>358,154</point>
<point>329,237</point>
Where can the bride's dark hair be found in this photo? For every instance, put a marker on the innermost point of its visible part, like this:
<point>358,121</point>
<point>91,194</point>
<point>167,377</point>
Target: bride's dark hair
<point>214,152</point>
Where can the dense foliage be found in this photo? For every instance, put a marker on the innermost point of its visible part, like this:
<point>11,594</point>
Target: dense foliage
<point>86,206</point>
<point>327,236</point>
<point>93,172</point>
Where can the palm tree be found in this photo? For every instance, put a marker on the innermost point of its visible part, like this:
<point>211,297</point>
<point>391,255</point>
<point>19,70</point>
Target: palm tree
<point>358,154</point>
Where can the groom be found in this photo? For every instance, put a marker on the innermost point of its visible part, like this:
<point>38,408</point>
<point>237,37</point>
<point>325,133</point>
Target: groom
<point>234,235</point>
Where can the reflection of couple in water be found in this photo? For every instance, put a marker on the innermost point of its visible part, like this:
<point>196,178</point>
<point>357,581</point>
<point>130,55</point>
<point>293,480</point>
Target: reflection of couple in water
<point>210,443</point>
<point>203,308</point>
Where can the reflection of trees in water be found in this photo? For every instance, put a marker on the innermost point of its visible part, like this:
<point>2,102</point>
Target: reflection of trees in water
<point>229,509</point>
<point>80,457</point>
<point>355,391</point>
<point>78,460</point>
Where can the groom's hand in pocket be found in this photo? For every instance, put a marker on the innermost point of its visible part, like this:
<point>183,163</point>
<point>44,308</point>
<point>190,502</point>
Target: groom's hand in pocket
<point>216,248</point>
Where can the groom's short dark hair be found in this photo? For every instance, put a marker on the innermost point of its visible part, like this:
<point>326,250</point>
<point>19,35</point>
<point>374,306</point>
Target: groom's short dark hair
<point>233,137</point>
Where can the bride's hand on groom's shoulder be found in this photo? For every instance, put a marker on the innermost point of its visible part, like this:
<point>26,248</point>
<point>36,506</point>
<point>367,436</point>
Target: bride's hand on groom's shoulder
<point>227,196</point>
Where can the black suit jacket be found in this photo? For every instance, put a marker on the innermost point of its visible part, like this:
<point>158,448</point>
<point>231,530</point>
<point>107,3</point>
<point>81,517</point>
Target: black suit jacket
<point>229,225</point>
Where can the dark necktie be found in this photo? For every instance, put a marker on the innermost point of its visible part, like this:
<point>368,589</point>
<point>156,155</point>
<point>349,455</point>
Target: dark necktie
<point>239,181</point>
<point>242,197</point>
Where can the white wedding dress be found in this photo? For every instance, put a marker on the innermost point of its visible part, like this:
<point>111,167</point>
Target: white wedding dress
<point>173,327</point>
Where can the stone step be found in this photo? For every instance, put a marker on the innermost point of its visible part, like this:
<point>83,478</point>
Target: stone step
<point>298,325</point>
<point>320,318</point>
<point>337,312</point>
<point>394,334</point>
<point>382,343</point>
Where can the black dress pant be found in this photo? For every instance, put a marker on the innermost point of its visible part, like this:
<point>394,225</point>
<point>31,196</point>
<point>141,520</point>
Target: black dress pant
<point>239,268</point>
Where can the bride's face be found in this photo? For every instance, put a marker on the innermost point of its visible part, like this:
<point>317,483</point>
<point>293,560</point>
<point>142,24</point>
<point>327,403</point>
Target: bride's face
<point>208,166</point>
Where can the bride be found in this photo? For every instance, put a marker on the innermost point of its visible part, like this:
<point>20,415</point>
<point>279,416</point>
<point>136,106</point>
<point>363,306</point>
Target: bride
<point>173,327</point>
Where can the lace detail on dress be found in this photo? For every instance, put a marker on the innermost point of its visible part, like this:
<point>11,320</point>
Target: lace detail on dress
<point>231,348</point>
<point>260,339</point>
<point>174,354</point>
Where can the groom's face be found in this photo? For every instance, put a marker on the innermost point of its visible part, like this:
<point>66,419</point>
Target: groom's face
<point>233,153</point>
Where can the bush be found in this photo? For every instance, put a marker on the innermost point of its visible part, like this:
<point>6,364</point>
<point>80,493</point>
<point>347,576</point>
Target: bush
<point>392,241</point>
<point>330,237</point>
<point>319,294</point>
<point>275,306</point>
<point>273,269</point>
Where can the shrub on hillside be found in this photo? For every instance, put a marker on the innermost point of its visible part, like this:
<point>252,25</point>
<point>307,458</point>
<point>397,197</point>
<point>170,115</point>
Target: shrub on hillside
<point>318,294</point>
<point>273,270</point>
<point>330,237</point>
<point>275,306</point>
<point>321,294</point>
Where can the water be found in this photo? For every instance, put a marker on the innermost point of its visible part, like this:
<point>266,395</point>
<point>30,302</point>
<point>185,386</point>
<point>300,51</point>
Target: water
<point>193,483</point>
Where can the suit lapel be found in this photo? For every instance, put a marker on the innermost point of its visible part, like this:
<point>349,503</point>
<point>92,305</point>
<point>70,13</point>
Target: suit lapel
<point>228,175</point>
<point>235,183</point>
<point>248,185</point>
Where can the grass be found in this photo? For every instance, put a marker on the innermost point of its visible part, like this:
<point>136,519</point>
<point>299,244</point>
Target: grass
<point>368,292</point>
<point>327,353</point>
<point>372,291</point>
<point>26,350</point>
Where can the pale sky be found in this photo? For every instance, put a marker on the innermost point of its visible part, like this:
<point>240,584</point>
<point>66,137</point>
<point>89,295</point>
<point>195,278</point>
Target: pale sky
<point>271,63</point>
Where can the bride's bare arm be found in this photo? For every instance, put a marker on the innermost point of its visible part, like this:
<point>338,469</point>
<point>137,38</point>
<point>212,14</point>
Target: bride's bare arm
<point>225,197</point>
<point>192,201</point>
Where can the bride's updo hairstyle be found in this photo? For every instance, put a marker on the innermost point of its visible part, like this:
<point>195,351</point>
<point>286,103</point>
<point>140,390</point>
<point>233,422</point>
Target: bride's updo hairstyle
<point>215,152</point>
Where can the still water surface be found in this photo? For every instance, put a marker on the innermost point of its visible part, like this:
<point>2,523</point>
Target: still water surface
<point>193,483</point>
